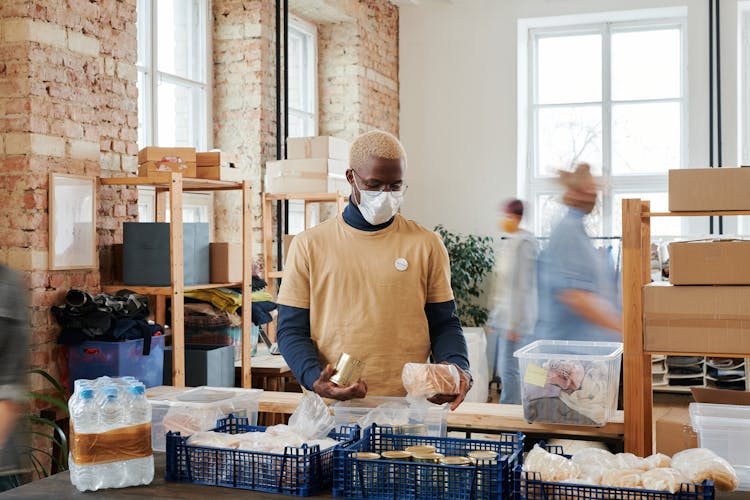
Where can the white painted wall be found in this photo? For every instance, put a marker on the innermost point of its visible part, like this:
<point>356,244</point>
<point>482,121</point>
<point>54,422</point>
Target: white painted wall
<point>458,82</point>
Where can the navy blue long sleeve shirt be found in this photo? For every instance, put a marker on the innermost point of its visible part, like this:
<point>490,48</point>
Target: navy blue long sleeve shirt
<point>446,336</point>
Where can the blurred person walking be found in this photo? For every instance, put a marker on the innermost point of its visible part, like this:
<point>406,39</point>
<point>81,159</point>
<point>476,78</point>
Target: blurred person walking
<point>514,300</point>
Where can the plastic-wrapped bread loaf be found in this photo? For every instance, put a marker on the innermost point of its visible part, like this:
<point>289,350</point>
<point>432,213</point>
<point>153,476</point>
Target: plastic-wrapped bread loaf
<point>699,464</point>
<point>551,467</point>
<point>630,461</point>
<point>663,479</point>
<point>595,457</point>
<point>658,461</point>
<point>622,478</point>
<point>427,380</point>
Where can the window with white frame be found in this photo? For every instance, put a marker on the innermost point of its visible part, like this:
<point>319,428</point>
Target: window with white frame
<point>612,95</point>
<point>303,98</point>
<point>173,83</point>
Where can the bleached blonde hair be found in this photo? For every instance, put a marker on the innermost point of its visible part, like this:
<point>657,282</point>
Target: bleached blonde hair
<point>375,143</point>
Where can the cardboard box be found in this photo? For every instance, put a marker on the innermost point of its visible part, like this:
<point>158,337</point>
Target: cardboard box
<point>674,432</point>
<point>720,396</point>
<point>339,184</point>
<point>154,153</point>
<point>323,146</point>
<point>226,262</point>
<point>709,262</point>
<point>208,159</point>
<point>302,176</point>
<point>690,319</point>
<point>220,173</point>
<point>709,189</point>
<point>151,168</point>
<point>146,253</point>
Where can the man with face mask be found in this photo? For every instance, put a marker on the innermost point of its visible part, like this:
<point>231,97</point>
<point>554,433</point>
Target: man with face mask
<point>511,321</point>
<point>372,284</point>
<point>576,299</point>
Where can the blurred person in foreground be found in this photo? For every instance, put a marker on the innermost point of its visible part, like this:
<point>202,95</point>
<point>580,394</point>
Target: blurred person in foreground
<point>13,348</point>
<point>577,294</point>
<point>511,321</point>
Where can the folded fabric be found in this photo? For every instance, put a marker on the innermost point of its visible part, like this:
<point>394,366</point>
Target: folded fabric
<point>223,298</point>
<point>261,297</point>
<point>683,360</point>
<point>567,375</point>
<point>686,370</point>
<point>725,363</point>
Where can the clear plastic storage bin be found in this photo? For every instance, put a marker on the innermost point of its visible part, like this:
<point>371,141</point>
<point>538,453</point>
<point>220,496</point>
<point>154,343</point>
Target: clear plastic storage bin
<point>570,382</point>
<point>725,430</point>
<point>418,418</point>
<point>198,410</point>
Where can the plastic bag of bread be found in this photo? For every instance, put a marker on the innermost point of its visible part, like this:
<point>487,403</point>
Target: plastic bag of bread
<point>699,464</point>
<point>622,478</point>
<point>630,461</point>
<point>658,461</point>
<point>188,420</point>
<point>551,467</point>
<point>663,479</point>
<point>426,380</point>
<point>212,439</point>
<point>594,457</point>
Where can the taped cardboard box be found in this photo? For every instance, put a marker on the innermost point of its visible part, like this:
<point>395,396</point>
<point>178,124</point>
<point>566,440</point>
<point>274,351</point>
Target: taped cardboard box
<point>226,262</point>
<point>674,432</point>
<point>302,176</point>
<point>218,173</point>
<point>150,168</point>
<point>706,189</point>
<point>691,319</point>
<point>709,262</point>
<point>323,146</point>
<point>154,153</point>
<point>208,159</point>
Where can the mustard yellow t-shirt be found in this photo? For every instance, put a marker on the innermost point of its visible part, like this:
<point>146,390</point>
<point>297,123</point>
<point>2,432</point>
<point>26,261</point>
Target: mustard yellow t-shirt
<point>366,292</point>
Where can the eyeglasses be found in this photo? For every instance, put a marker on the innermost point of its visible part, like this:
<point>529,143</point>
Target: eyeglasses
<point>379,186</point>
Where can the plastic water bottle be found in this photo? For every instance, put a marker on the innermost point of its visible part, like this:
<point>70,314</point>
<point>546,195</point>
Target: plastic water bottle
<point>85,416</point>
<point>111,409</point>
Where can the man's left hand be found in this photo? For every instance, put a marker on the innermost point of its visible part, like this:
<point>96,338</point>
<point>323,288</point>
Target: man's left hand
<point>464,386</point>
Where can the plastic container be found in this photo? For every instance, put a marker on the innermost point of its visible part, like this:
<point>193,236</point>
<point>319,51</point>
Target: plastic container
<point>725,430</point>
<point>529,486</point>
<point>589,372</point>
<point>93,359</point>
<point>200,407</point>
<point>360,478</point>
<point>422,419</point>
<point>300,471</point>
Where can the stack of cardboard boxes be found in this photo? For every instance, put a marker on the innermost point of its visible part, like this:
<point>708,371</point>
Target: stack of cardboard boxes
<point>314,165</point>
<point>153,160</point>
<point>209,166</point>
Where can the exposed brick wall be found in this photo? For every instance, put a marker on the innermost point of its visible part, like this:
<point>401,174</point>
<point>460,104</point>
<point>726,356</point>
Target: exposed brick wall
<point>68,96</point>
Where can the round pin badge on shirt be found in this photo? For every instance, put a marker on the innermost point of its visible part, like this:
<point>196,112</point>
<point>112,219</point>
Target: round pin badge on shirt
<point>401,264</point>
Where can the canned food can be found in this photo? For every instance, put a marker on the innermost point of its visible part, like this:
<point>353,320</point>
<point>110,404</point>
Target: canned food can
<point>421,449</point>
<point>366,455</point>
<point>484,460</point>
<point>480,456</point>
<point>455,461</point>
<point>364,472</point>
<point>347,370</point>
<point>427,458</point>
<point>396,455</point>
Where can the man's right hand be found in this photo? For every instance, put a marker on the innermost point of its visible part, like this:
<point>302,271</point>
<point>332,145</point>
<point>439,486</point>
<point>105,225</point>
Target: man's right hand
<point>327,389</point>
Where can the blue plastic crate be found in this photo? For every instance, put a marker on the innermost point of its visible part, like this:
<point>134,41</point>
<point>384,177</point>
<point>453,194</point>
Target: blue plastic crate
<point>300,471</point>
<point>93,359</point>
<point>529,486</point>
<point>390,479</point>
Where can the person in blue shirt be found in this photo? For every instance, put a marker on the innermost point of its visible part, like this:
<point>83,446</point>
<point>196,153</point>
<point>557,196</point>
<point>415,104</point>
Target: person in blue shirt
<point>577,299</point>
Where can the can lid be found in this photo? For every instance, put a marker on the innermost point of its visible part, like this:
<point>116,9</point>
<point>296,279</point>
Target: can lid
<point>364,455</point>
<point>396,455</point>
<point>455,461</point>
<point>421,448</point>
<point>428,456</point>
<point>482,454</point>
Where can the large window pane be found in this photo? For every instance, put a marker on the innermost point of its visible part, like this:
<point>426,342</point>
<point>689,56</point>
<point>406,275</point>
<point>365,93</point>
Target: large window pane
<point>646,64</point>
<point>569,69</point>
<point>297,80</point>
<point>645,138</point>
<point>660,226</point>
<point>143,13</point>
<point>180,113</point>
<point>549,210</point>
<point>142,109</point>
<point>569,135</point>
<point>179,38</point>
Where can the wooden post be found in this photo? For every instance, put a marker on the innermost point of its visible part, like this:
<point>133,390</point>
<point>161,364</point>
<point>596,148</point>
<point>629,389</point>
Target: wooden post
<point>636,371</point>
<point>247,282</point>
<point>268,258</point>
<point>176,259</point>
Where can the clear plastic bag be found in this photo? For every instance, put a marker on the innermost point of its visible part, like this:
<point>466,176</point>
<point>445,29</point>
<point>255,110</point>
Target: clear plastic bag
<point>312,419</point>
<point>188,420</point>
<point>427,380</point>
<point>551,467</point>
<point>699,464</point>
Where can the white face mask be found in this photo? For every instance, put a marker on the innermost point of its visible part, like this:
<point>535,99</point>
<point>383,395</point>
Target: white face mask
<point>378,207</point>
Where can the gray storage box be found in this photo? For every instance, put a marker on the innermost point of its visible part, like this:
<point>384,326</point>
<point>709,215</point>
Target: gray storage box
<point>145,253</point>
<point>211,365</point>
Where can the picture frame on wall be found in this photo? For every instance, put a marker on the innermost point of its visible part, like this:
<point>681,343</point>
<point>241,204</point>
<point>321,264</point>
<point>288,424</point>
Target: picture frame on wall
<point>72,222</point>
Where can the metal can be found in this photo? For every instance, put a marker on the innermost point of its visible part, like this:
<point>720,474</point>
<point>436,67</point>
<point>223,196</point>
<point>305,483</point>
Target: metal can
<point>421,449</point>
<point>427,458</point>
<point>482,456</point>
<point>485,460</point>
<point>366,455</point>
<point>455,461</point>
<point>364,472</point>
<point>396,455</point>
<point>347,370</point>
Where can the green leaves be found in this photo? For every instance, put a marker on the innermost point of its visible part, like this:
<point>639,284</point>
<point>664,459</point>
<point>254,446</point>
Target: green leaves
<point>472,257</point>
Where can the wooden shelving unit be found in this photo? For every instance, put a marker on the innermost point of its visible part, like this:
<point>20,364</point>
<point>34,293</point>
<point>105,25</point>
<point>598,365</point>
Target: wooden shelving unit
<point>636,242</point>
<point>309,199</point>
<point>174,184</point>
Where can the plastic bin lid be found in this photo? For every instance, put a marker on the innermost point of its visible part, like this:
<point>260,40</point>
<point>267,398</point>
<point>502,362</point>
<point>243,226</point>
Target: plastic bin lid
<point>206,395</point>
<point>705,416</point>
<point>575,349</point>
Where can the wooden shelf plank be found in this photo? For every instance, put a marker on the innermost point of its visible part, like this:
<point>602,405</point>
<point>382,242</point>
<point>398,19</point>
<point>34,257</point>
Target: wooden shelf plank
<point>309,197</point>
<point>702,353</point>
<point>165,290</point>
<point>694,214</point>
<point>163,181</point>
